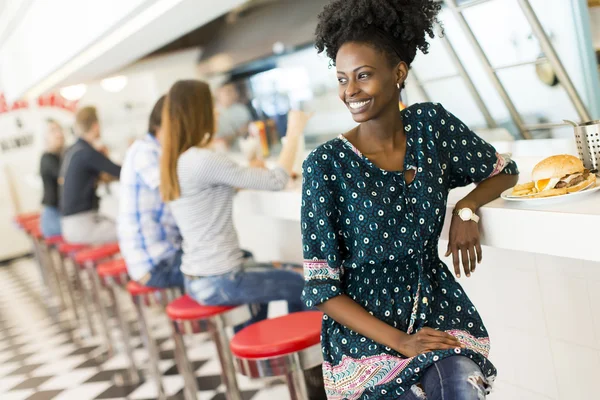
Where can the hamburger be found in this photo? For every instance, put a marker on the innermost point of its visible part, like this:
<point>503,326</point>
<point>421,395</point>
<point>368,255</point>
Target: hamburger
<point>559,175</point>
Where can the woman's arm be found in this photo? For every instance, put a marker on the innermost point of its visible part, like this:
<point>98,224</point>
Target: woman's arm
<point>297,121</point>
<point>347,312</point>
<point>488,190</point>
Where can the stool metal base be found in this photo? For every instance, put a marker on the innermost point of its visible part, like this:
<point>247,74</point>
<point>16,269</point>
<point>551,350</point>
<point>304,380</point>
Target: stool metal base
<point>217,327</point>
<point>291,366</point>
<point>162,298</point>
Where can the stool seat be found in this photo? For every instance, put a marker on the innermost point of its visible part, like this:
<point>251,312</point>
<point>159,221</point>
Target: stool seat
<point>36,232</point>
<point>30,225</point>
<point>137,289</point>
<point>68,248</point>
<point>278,336</point>
<point>97,253</point>
<point>112,268</point>
<point>54,240</point>
<point>186,308</point>
<point>23,218</point>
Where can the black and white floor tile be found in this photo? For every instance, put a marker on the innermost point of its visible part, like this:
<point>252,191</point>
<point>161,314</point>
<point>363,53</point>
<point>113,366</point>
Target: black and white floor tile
<point>42,358</point>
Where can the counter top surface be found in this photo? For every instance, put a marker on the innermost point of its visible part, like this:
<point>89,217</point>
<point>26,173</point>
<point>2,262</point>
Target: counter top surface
<point>562,227</point>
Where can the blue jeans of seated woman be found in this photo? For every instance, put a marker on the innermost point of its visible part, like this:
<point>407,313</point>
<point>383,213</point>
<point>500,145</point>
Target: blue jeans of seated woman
<point>256,285</point>
<point>50,222</point>
<point>166,274</point>
<point>453,378</point>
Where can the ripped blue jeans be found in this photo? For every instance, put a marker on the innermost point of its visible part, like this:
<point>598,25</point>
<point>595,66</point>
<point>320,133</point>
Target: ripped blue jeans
<point>252,284</point>
<point>453,378</point>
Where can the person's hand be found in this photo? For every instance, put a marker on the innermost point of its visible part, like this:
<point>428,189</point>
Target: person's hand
<point>257,163</point>
<point>297,121</point>
<point>464,244</point>
<point>426,340</point>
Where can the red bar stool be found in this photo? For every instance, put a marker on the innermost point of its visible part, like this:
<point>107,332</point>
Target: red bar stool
<point>284,346</point>
<point>113,275</point>
<point>23,218</point>
<point>52,244</point>
<point>189,317</point>
<point>67,252</point>
<point>145,296</point>
<point>87,260</point>
<point>48,271</point>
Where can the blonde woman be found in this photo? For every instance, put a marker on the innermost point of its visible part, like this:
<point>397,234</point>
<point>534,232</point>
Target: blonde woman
<point>49,171</point>
<point>199,185</point>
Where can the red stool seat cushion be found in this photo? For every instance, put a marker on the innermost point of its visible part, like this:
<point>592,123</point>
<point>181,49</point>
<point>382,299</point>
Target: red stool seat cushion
<point>112,268</point>
<point>23,218</point>
<point>186,308</point>
<point>36,232</point>
<point>97,253</point>
<point>68,248</point>
<point>137,289</point>
<point>30,225</point>
<point>54,240</point>
<point>278,336</point>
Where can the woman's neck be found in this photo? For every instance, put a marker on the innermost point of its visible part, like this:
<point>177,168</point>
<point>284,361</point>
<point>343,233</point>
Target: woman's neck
<point>384,132</point>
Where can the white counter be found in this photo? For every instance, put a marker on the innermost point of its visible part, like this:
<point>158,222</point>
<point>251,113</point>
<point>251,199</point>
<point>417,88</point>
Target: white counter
<point>561,228</point>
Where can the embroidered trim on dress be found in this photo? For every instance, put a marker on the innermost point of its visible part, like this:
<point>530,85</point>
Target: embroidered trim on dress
<point>349,379</point>
<point>319,269</point>
<point>479,345</point>
<point>502,160</point>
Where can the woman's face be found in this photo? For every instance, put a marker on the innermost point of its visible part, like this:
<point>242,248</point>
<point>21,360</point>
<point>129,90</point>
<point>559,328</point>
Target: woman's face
<point>55,137</point>
<point>367,82</point>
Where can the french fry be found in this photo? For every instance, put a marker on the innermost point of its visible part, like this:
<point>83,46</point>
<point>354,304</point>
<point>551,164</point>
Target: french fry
<point>550,193</point>
<point>521,193</point>
<point>524,186</point>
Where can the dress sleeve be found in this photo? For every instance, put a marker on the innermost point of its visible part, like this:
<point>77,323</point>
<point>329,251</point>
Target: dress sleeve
<point>320,238</point>
<point>470,159</point>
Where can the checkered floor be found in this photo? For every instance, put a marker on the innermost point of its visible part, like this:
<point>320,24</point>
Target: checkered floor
<point>41,358</point>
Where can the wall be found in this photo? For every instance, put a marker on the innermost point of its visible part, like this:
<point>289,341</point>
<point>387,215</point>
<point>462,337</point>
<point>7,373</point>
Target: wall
<point>543,316</point>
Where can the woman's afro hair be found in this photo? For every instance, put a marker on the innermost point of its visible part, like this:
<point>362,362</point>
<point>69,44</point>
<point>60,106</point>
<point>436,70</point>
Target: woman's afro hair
<point>396,27</point>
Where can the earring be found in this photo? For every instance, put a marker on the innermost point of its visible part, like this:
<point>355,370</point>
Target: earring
<point>398,85</point>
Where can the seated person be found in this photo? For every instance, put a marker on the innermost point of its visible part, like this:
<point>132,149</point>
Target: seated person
<point>234,117</point>
<point>148,236</point>
<point>80,172</point>
<point>49,170</point>
<point>199,185</point>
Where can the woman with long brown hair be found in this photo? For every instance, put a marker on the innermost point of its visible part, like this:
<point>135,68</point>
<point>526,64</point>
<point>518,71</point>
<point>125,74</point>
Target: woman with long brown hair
<point>200,184</point>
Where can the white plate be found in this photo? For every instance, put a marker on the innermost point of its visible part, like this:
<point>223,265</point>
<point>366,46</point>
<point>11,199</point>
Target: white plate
<point>506,195</point>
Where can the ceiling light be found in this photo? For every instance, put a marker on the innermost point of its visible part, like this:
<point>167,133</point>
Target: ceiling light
<point>73,93</point>
<point>114,84</point>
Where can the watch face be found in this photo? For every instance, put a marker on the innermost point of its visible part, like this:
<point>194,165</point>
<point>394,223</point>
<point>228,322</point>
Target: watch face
<point>465,214</point>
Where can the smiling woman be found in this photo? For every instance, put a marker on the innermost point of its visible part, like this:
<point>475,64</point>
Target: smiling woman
<point>397,323</point>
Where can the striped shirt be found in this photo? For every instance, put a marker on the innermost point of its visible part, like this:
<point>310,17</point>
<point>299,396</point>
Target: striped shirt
<point>208,182</point>
<point>146,228</point>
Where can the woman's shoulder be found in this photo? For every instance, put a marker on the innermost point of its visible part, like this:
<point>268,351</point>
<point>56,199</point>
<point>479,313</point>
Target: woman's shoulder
<point>427,109</point>
<point>325,154</point>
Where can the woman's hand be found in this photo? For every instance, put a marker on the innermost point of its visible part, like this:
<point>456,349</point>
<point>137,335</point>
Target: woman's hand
<point>257,163</point>
<point>464,244</point>
<point>426,340</point>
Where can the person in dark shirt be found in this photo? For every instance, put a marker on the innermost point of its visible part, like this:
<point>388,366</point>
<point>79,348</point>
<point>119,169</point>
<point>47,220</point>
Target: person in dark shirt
<point>49,170</point>
<point>81,171</point>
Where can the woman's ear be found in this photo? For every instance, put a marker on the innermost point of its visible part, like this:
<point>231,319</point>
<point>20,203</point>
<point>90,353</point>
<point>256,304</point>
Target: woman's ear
<point>401,73</point>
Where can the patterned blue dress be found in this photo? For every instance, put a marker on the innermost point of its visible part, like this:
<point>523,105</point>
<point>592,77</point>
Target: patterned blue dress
<point>372,236</point>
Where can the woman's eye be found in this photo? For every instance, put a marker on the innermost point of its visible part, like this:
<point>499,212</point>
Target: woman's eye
<point>342,81</point>
<point>363,75</point>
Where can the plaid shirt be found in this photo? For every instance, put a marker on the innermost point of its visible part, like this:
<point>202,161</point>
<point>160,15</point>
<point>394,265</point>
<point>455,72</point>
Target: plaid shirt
<point>147,231</point>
